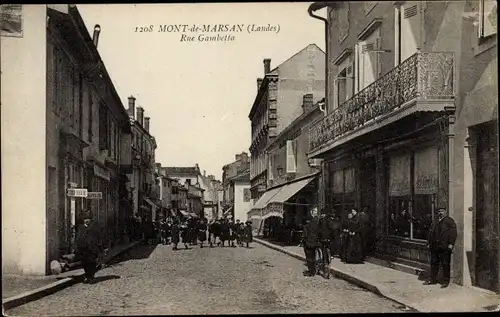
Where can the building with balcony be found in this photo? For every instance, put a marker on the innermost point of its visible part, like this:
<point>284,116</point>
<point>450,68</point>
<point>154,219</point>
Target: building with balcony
<point>146,196</point>
<point>278,103</point>
<point>70,128</point>
<point>411,126</point>
<point>292,178</point>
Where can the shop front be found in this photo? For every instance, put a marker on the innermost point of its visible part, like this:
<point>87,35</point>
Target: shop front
<point>282,210</point>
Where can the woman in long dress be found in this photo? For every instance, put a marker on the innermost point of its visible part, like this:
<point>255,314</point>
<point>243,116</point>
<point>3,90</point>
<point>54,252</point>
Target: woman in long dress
<point>355,243</point>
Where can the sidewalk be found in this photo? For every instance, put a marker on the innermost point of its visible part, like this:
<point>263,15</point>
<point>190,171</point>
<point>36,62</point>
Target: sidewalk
<point>405,288</point>
<point>18,290</point>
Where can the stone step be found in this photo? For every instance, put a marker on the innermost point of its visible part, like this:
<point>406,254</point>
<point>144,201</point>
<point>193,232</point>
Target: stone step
<point>399,264</point>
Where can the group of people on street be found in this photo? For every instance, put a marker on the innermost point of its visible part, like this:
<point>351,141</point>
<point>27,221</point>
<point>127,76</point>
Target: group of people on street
<point>350,240</point>
<point>346,239</point>
<point>194,230</point>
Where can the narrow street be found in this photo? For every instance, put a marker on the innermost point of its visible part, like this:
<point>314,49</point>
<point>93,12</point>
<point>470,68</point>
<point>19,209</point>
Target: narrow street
<point>157,280</point>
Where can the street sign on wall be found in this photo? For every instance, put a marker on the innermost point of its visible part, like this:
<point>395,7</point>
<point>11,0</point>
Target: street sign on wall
<point>94,195</point>
<point>77,192</point>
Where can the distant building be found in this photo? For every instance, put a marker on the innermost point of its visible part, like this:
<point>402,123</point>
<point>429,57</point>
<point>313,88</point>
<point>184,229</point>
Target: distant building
<point>236,188</point>
<point>278,102</point>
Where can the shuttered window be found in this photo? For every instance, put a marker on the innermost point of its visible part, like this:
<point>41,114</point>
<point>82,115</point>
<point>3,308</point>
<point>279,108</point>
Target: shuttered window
<point>411,25</point>
<point>291,157</point>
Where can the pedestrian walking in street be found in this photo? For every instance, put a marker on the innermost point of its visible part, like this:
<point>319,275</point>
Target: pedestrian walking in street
<point>89,246</point>
<point>311,242</point>
<point>202,232</point>
<point>247,233</point>
<point>175,232</point>
<point>239,232</point>
<point>441,241</point>
<point>214,233</point>
<point>355,243</point>
<point>224,232</point>
<point>232,233</point>
<point>344,237</point>
<point>185,234</point>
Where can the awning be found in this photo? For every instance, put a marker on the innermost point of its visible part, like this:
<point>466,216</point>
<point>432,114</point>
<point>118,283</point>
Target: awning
<point>262,202</point>
<point>272,214</point>
<point>184,213</point>
<point>289,190</point>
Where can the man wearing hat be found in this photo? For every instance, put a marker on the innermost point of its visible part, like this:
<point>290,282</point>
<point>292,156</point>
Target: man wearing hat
<point>247,233</point>
<point>88,246</point>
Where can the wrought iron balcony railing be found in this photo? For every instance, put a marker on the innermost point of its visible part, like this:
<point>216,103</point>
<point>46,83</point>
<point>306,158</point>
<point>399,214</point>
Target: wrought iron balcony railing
<point>423,76</point>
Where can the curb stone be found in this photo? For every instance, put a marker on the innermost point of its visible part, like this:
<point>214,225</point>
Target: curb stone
<point>29,296</point>
<point>349,277</point>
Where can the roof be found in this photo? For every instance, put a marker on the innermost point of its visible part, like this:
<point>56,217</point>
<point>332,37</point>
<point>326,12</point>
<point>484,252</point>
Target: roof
<point>181,171</point>
<point>243,176</point>
<point>273,73</point>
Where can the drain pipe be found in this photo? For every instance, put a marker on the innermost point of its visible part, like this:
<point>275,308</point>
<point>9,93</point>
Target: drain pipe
<point>314,7</point>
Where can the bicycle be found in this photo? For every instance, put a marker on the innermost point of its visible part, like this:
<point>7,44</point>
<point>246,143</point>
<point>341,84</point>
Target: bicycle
<point>323,259</point>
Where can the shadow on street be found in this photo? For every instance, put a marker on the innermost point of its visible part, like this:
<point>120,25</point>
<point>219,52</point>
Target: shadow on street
<point>99,279</point>
<point>137,253</point>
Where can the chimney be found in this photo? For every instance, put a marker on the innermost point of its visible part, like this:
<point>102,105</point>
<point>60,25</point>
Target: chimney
<point>95,37</point>
<point>140,115</point>
<point>197,167</point>
<point>131,107</point>
<point>146,123</point>
<point>259,83</point>
<point>307,102</point>
<point>267,65</point>
<point>237,157</point>
<point>204,173</point>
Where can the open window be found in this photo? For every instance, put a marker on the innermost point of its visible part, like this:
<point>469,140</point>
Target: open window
<point>367,55</point>
<point>408,29</point>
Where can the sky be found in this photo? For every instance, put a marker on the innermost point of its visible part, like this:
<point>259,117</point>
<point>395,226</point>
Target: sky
<point>198,94</point>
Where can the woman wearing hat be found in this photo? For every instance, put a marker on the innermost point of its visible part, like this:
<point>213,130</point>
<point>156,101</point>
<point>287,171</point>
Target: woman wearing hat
<point>88,246</point>
<point>247,233</point>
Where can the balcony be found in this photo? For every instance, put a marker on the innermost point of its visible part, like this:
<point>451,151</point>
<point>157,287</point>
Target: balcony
<point>423,82</point>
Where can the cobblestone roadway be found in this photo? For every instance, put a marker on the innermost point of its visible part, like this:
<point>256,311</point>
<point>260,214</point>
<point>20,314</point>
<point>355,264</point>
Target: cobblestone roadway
<point>213,281</point>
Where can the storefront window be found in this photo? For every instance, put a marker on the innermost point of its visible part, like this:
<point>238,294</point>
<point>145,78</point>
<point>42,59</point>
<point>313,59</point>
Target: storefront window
<point>400,196</point>
<point>413,187</point>
<point>425,186</point>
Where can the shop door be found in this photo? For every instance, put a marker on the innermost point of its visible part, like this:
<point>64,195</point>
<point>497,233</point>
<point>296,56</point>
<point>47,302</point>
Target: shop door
<point>487,210</point>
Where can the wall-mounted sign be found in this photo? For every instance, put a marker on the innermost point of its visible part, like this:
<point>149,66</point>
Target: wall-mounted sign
<point>11,20</point>
<point>77,192</point>
<point>101,172</point>
<point>94,195</point>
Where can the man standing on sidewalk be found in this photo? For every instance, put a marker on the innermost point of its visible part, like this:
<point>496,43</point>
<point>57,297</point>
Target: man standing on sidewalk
<point>441,241</point>
<point>89,246</point>
<point>311,242</point>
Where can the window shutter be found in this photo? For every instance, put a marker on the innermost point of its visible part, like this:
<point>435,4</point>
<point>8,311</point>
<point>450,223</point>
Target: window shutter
<point>290,157</point>
<point>356,68</point>
<point>410,29</point>
<point>271,164</point>
<point>349,81</point>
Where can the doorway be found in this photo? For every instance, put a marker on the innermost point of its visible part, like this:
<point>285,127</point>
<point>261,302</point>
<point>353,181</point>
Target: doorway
<point>487,215</point>
<point>368,187</point>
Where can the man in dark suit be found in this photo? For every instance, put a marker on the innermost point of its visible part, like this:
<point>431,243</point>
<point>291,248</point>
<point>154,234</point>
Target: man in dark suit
<point>441,241</point>
<point>89,245</point>
<point>310,241</point>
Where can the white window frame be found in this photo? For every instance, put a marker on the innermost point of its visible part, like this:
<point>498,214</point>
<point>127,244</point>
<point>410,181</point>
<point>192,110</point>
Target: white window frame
<point>481,17</point>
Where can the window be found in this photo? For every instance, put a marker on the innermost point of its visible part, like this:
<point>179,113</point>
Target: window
<point>246,194</point>
<point>188,181</point>
<point>413,186</point>
<point>103,128</point>
<point>487,18</point>
<point>368,60</point>
<point>291,157</point>
<point>90,101</point>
